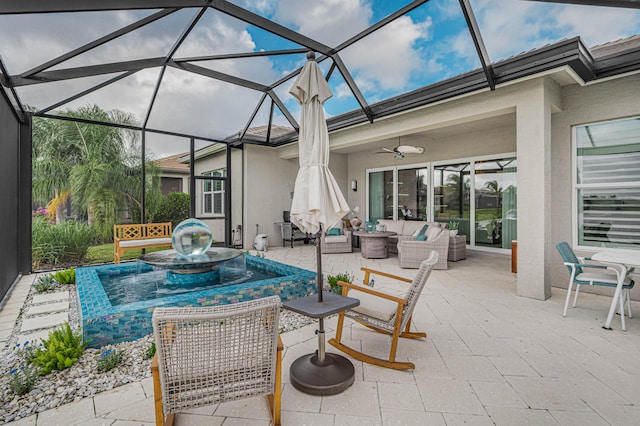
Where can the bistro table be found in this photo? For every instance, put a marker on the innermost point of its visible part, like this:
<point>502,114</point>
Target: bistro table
<point>622,262</point>
<point>373,244</point>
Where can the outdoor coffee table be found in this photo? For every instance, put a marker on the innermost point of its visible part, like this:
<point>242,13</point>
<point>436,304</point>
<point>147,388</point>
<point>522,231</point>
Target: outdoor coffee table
<point>374,245</point>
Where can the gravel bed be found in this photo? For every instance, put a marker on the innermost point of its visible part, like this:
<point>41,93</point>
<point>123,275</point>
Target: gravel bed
<point>83,379</point>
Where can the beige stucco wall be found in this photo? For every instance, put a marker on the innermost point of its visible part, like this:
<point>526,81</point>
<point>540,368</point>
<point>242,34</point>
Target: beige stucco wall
<point>269,181</point>
<point>181,176</point>
<point>608,100</point>
<point>214,162</point>
<point>495,141</point>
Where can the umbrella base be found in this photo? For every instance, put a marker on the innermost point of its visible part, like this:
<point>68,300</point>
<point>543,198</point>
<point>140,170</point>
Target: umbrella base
<point>331,377</point>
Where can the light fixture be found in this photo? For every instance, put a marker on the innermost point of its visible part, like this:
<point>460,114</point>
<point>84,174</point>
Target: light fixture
<point>354,185</point>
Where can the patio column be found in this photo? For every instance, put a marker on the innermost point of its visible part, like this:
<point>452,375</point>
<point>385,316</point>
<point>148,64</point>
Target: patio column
<point>533,132</point>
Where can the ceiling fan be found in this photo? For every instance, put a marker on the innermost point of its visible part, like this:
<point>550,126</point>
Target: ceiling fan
<point>401,150</point>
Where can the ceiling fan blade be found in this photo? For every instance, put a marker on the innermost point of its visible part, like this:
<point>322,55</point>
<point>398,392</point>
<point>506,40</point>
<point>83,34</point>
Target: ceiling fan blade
<point>410,149</point>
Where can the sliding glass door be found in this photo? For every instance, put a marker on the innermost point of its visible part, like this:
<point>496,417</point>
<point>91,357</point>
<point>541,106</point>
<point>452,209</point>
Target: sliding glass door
<point>495,203</point>
<point>452,195</point>
<point>478,194</point>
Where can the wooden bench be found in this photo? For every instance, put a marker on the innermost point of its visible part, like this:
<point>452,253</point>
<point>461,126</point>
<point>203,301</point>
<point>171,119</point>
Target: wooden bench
<point>136,236</point>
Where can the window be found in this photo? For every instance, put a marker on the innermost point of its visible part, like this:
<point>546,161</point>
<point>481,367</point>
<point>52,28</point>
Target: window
<point>213,193</point>
<point>607,183</point>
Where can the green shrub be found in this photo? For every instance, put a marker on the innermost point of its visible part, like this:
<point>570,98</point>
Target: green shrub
<point>151,351</point>
<point>109,359</point>
<point>58,244</point>
<point>175,208</point>
<point>44,283</point>
<point>23,379</point>
<point>333,281</point>
<point>68,276</point>
<point>60,350</point>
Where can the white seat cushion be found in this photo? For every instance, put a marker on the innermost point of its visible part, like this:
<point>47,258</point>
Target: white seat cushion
<point>142,243</point>
<point>335,239</point>
<point>603,277</point>
<point>413,226</point>
<point>374,306</point>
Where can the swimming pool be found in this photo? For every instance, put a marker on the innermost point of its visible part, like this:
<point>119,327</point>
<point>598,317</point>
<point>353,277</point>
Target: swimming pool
<point>104,322</point>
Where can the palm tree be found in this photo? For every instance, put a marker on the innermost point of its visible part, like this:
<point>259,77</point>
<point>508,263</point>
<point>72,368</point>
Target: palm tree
<point>98,166</point>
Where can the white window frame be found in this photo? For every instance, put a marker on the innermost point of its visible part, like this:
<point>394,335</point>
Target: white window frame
<point>222,173</point>
<point>575,187</point>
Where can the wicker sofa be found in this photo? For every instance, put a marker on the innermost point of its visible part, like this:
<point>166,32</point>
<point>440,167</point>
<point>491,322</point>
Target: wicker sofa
<point>411,253</point>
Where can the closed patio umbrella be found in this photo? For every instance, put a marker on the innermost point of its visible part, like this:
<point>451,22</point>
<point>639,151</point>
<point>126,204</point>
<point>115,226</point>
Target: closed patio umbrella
<point>317,205</point>
<point>317,199</point>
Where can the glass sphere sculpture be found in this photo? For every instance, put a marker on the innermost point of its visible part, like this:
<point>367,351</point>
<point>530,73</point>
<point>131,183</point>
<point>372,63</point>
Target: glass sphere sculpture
<point>191,237</point>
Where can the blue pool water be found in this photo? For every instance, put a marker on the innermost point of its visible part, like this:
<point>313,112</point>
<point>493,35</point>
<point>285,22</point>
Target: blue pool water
<point>116,305</point>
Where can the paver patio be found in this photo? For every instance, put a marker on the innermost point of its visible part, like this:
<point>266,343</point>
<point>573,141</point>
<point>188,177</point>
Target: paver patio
<point>490,357</point>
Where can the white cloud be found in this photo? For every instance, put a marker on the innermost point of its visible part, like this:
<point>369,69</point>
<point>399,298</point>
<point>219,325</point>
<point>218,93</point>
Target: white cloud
<point>329,21</point>
<point>389,55</point>
<point>510,27</point>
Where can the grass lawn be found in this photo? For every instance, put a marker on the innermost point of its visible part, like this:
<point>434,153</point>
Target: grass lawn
<point>104,253</point>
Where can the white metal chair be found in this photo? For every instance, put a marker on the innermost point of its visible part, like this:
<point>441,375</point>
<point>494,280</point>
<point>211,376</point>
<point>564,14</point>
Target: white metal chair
<point>600,277</point>
<point>216,354</point>
<point>384,313</point>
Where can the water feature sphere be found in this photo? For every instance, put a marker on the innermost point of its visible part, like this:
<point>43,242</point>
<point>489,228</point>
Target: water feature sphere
<point>191,237</point>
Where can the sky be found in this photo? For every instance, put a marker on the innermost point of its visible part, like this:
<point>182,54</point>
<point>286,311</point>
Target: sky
<point>427,45</point>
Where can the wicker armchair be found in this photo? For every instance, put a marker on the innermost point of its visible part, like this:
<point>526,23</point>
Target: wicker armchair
<point>337,243</point>
<point>384,313</point>
<point>411,252</point>
<point>216,354</point>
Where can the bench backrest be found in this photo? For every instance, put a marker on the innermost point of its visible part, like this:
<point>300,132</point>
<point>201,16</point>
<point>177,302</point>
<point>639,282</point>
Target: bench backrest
<point>142,231</point>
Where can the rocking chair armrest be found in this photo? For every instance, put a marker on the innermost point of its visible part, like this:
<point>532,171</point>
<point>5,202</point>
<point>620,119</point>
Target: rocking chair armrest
<point>346,286</point>
<point>384,274</point>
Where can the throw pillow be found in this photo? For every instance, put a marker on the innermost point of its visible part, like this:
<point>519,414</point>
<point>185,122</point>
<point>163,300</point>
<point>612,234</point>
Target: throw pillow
<point>421,237</point>
<point>334,231</point>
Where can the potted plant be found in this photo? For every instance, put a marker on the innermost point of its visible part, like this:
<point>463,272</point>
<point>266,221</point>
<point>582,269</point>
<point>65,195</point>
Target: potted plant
<point>333,281</point>
<point>453,228</point>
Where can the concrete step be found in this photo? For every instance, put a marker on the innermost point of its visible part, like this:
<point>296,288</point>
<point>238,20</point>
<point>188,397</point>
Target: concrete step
<point>44,321</point>
<point>50,297</point>
<point>47,308</point>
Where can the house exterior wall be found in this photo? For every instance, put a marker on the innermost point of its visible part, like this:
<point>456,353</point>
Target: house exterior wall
<point>542,112</point>
<point>184,178</point>
<point>268,184</point>
<point>215,162</point>
<point>602,101</point>
<point>269,181</point>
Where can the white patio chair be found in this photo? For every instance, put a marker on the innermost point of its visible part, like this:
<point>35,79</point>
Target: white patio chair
<point>216,354</point>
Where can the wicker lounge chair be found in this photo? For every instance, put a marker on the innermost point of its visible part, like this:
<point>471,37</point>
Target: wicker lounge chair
<point>216,354</point>
<point>384,313</point>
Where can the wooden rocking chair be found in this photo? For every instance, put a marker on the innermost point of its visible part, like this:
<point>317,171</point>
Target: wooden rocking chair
<point>216,354</point>
<point>384,313</point>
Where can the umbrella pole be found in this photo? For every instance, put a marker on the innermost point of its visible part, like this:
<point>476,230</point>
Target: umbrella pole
<point>321,341</point>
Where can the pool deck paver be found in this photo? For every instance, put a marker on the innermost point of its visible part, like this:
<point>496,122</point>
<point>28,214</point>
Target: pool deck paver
<point>490,357</point>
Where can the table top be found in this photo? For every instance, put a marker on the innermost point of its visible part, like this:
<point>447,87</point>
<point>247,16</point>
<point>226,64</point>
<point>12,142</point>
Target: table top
<point>331,304</point>
<point>624,257</point>
<point>374,234</point>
